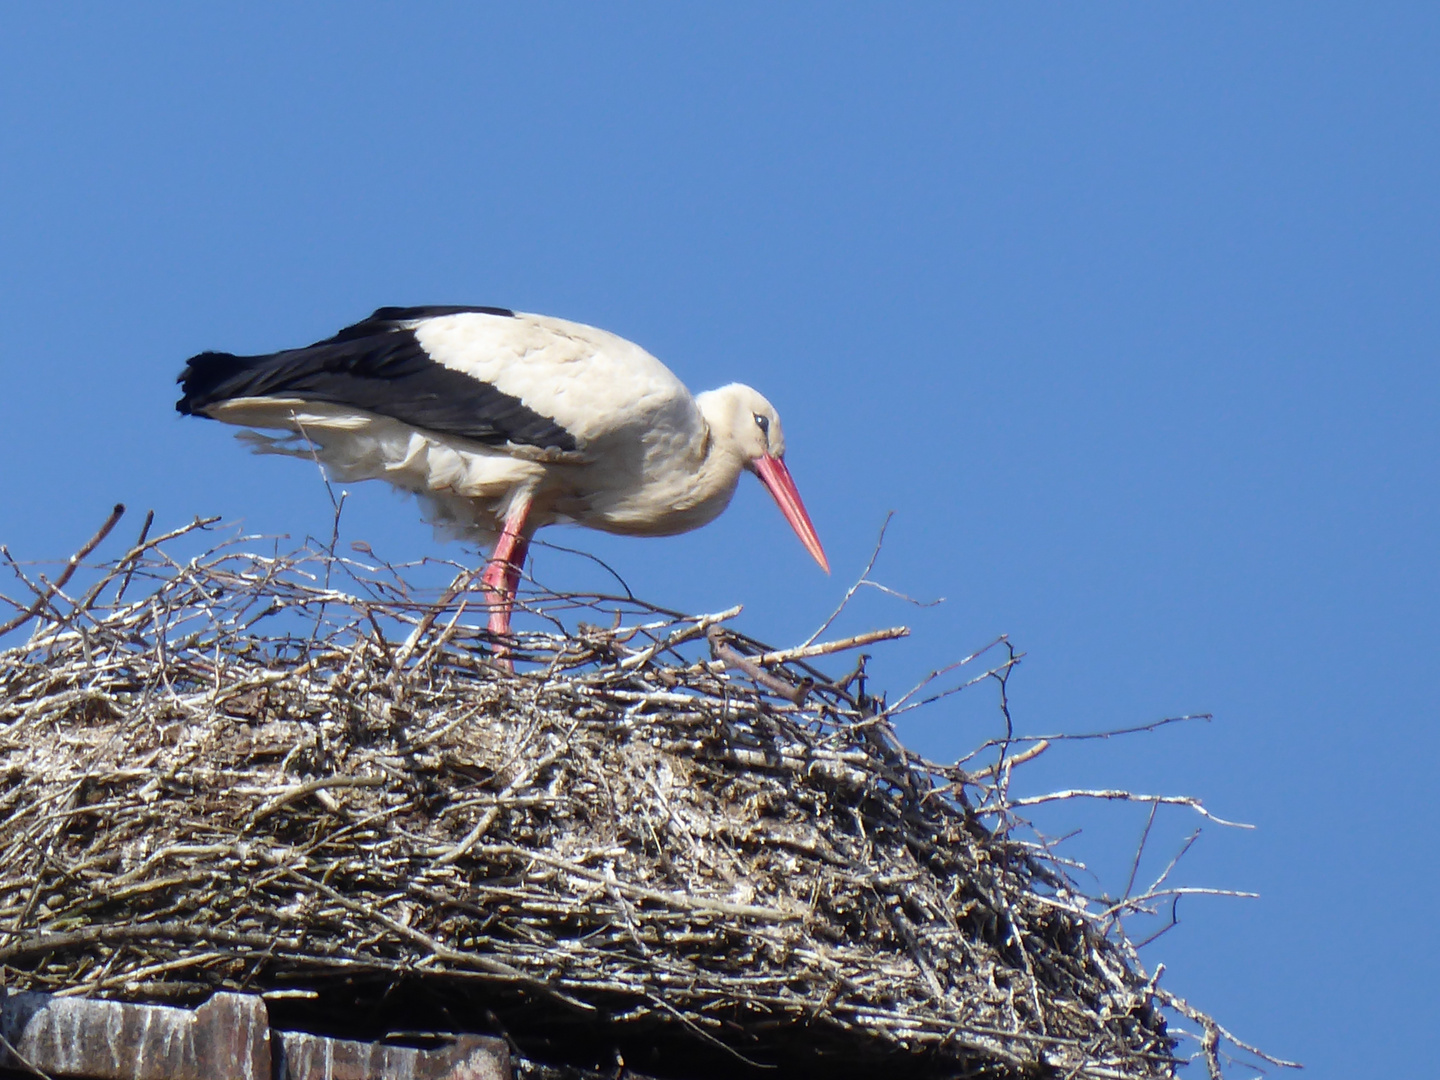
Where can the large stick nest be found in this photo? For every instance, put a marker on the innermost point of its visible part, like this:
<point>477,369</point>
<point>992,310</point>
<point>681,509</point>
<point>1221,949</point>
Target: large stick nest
<point>302,775</point>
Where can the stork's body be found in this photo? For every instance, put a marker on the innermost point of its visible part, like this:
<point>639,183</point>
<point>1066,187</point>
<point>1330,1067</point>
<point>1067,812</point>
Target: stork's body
<point>503,423</point>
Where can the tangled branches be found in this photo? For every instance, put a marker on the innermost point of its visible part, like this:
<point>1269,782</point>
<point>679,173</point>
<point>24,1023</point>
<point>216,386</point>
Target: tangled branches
<point>302,774</point>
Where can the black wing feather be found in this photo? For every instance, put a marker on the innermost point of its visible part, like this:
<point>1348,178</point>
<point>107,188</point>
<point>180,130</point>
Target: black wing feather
<point>377,366</point>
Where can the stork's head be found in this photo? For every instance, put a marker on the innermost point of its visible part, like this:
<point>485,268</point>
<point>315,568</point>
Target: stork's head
<point>745,425</point>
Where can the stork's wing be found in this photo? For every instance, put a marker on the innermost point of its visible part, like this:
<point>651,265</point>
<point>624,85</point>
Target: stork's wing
<point>379,366</point>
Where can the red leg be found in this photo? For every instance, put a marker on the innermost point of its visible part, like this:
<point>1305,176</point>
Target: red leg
<point>502,573</point>
<point>516,565</point>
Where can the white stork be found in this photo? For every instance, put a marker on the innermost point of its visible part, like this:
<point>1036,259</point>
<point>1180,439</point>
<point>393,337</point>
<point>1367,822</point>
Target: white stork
<point>504,422</point>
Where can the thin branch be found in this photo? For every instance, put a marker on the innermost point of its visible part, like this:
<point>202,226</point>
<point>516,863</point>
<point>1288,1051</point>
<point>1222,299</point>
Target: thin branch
<point>70,567</point>
<point>826,648</point>
<point>1140,850</point>
<point>940,673</point>
<point>1114,795</point>
<point>850,592</point>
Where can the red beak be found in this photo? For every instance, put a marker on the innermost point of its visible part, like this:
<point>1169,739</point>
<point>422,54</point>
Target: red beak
<point>775,476</point>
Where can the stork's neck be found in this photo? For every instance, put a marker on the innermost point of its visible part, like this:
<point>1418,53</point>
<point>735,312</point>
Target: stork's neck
<point>717,473</point>
<point>676,477</point>
<point>696,493</point>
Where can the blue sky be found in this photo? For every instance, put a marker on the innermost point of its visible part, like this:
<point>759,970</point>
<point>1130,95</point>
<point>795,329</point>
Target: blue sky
<point>1127,311</point>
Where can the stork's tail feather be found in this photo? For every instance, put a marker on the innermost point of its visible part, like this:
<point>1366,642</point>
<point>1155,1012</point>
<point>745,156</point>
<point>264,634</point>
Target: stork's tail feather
<point>211,377</point>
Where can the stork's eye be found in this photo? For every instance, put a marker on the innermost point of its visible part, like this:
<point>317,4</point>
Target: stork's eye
<point>763,423</point>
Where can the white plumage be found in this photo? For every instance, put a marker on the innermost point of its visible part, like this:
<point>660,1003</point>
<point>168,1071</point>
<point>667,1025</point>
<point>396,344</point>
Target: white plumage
<point>503,423</point>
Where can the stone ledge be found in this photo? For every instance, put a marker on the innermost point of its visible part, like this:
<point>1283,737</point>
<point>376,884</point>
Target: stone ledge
<point>227,1038</point>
